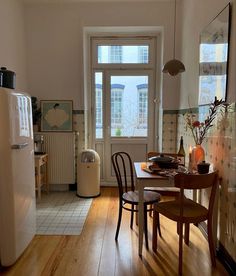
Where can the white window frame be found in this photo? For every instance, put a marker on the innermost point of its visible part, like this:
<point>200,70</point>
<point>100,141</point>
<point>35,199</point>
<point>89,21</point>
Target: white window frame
<point>92,35</point>
<point>150,41</point>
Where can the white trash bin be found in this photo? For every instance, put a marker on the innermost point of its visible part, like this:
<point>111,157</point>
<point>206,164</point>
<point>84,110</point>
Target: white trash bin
<point>88,174</point>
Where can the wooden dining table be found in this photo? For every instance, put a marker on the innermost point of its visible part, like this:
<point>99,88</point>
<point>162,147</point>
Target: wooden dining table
<point>146,179</point>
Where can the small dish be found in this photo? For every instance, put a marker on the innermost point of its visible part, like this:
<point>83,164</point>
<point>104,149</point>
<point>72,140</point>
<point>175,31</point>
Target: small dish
<point>203,167</point>
<point>154,168</point>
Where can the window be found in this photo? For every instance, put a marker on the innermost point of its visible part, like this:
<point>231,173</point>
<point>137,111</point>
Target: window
<point>125,54</point>
<point>142,105</point>
<point>125,65</point>
<point>143,54</point>
<point>213,68</point>
<point>116,105</point>
<point>99,105</point>
<point>114,54</point>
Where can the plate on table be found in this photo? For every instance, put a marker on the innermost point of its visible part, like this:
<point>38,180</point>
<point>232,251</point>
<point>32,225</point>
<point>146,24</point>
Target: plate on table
<point>154,168</point>
<point>168,173</point>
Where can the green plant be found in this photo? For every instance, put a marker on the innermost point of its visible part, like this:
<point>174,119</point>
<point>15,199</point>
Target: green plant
<point>118,132</point>
<point>36,112</point>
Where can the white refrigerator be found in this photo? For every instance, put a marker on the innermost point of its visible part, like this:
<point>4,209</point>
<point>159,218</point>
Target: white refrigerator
<point>17,179</point>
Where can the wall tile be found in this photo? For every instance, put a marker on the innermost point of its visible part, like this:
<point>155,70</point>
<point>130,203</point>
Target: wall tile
<point>220,149</point>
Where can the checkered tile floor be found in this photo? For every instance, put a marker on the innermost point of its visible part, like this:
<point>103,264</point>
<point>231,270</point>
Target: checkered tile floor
<point>61,213</point>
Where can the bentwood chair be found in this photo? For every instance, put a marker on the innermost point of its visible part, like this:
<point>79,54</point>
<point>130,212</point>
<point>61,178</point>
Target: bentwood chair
<point>186,211</point>
<point>128,196</point>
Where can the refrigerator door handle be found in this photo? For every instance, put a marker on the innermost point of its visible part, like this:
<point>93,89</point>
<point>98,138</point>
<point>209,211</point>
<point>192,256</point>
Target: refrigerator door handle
<point>19,146</point>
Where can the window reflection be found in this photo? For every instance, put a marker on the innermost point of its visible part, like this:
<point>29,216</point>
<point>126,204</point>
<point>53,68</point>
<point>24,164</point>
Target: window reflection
<point>213,59</point>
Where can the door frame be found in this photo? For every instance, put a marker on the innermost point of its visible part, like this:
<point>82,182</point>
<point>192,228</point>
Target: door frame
<point>92,32</point>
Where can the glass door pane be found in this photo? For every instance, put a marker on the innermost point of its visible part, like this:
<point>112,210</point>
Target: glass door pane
<point>99,104</point>
<point>129,106</point>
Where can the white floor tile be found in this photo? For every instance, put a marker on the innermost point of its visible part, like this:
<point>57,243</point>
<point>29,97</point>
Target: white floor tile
<point>61,213</point>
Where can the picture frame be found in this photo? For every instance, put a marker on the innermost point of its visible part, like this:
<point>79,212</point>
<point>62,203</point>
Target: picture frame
<point>56,115</point>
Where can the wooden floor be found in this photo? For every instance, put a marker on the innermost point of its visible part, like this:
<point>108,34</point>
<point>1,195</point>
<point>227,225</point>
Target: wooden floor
<point>95,251</point>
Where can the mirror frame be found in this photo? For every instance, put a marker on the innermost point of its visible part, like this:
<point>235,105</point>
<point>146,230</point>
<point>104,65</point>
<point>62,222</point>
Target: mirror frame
<point>214,61</point>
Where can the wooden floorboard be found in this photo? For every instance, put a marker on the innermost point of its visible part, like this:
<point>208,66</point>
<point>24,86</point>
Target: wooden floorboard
<point>95,251</point>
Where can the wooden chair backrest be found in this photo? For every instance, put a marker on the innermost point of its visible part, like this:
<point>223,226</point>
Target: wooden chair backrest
<point>198,181</point>
<point>123,167</point>
<point>195,181</point>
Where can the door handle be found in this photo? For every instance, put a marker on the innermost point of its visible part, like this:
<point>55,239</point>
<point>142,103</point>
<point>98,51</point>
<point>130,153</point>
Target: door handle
<point>19,146</point>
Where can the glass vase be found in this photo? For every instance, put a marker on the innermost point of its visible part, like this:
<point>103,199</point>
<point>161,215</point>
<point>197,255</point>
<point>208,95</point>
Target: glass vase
<point>198,155</point>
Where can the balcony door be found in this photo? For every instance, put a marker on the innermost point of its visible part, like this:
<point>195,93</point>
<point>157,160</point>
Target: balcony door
<point>123,100</point>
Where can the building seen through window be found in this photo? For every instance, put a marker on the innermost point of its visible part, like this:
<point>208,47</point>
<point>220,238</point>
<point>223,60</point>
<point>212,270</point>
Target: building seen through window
<point>128,95</point>
<point>117,54</point>
<point>117,91</point>
<point>142,105</point>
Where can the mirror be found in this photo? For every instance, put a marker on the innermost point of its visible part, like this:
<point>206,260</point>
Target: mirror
<point>213,58</point>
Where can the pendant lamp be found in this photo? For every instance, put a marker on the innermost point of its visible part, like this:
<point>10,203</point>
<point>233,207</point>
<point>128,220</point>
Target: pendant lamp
<point>174,66</point>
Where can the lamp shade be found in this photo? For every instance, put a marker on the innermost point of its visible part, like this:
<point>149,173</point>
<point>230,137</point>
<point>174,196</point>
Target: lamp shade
<point>173,67</point>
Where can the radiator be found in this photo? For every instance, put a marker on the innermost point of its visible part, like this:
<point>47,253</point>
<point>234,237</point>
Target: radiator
<point>61,156</point>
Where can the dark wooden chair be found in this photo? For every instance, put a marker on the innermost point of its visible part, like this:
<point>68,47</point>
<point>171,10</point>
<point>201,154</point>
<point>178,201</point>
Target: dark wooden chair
<point>186,211</point>
<point>128,196</point>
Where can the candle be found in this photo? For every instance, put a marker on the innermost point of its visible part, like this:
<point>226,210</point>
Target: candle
<point>190,159</point>
<point>190,153</point>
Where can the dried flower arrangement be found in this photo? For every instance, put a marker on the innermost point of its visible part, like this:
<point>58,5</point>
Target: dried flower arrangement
<point>199,129</point>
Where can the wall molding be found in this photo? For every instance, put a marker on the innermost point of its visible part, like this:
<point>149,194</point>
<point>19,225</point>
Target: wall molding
<point>231,108</point>
<point>181,111</point>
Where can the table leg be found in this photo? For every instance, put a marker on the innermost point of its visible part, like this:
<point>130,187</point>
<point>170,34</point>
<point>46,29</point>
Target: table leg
<point>38,175</point>
<point>46,177</point>
<point>140,216</point>
<point>215,218</point>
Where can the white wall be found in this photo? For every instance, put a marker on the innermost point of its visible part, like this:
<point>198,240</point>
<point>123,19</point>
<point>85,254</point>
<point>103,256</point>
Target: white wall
<point>12,45</point>
<point>55,46</point>
<point>196,15</point>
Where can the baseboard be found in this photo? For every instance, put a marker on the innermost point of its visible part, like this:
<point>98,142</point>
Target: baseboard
<point>227,261</point>
<point>108,184</point>
<point>58,187</point>
<point>73,187</point>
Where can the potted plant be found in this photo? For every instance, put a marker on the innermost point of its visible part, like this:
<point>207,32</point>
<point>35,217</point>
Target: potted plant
<point>36,113</point>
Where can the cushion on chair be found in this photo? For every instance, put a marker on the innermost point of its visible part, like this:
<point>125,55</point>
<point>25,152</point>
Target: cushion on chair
<point>193,211</point>
<point>149,197</point>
